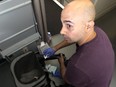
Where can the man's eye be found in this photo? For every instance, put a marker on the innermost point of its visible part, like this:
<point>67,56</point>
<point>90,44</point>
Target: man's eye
<point>68,26</point>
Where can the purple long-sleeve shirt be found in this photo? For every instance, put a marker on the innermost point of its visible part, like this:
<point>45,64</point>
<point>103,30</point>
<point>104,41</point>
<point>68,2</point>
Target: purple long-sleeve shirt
<point>93,63</point>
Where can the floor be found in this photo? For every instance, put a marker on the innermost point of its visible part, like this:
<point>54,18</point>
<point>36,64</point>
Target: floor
<point>6,79</point>
<point>107,22</point>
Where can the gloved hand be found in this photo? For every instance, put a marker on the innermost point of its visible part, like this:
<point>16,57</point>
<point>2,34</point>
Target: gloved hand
<point>49,52</point>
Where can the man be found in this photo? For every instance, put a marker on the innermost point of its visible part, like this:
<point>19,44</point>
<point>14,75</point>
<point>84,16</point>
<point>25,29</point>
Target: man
<point>92,64</point>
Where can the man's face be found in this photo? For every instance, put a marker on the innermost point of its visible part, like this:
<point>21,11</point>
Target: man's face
<point>73,28</point>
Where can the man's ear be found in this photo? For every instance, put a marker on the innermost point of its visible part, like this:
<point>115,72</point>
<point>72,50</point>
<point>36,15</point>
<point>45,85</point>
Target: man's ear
<point>90,24</point>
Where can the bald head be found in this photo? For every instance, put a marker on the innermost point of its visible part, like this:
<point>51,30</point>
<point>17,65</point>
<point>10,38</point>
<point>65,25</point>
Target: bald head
<point>78,21</point>
<point>84,8</point>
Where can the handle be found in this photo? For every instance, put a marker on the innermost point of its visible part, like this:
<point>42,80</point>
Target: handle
<point>56,56</point>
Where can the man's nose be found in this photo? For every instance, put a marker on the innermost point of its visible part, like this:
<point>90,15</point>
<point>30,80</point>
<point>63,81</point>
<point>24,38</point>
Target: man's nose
<point>63,31</point>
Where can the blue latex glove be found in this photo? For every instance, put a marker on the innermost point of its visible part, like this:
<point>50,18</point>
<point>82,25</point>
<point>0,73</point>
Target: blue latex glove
<point>57,74</point>
<point>49,52</point>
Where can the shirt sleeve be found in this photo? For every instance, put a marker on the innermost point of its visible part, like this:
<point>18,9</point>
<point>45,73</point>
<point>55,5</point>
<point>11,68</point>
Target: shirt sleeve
<point>76,77</point>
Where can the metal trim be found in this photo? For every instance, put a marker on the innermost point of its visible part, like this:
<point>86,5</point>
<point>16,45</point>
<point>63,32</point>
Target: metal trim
<point>15,7</point>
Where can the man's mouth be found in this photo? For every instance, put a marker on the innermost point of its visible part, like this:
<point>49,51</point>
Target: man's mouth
<point>66,38</point>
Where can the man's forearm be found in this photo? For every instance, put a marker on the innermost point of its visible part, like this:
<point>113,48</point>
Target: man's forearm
<point>62,44</point>
<point>62,69</point>
<point>62,66</point>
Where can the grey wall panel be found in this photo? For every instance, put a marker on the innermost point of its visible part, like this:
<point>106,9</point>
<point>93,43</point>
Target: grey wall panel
<point>16,22</point>
<point>17,38</point>
<point>18,27</point>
